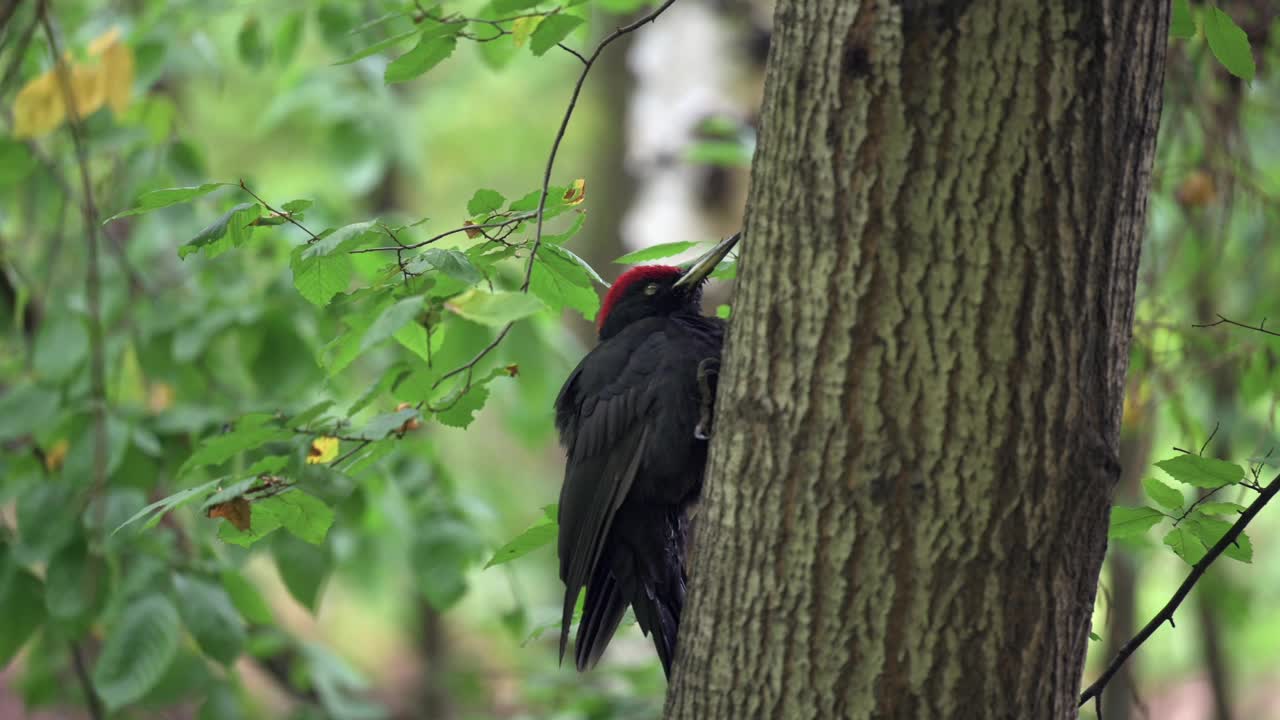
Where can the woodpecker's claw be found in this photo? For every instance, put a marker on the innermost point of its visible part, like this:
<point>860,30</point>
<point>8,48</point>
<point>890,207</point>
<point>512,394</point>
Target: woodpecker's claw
<point>708,368</point>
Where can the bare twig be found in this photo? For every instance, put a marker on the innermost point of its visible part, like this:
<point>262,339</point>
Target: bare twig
<point>1209,439</point>
<point>1226,321</point>
<point>1197,570</point>
<point>93,281</point>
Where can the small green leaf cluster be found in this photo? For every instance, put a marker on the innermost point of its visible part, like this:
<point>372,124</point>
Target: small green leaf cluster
<point>1194,526</point>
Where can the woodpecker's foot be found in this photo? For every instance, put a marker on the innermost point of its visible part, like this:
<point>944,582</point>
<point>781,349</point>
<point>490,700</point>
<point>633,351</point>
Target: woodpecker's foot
<point>707,369</point>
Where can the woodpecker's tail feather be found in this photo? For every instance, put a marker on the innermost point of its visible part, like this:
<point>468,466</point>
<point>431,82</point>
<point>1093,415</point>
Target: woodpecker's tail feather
<point>601,612</point>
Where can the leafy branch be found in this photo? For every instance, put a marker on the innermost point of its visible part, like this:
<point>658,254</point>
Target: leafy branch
<point>1228,539</point>
<point>469,366</point>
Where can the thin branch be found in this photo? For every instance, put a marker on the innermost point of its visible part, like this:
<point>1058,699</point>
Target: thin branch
<point>93,280</point>
<point>399,247</point>
<point>1209,439</point>
<point>540,213</point>
<point>1197,570</point>
<point>91,698</point>
<point>1225,321</point>
<point>277,213</point>
<point>564,125</point>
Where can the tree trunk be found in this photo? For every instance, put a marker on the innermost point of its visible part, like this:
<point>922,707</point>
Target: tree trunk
<point>917,428</point>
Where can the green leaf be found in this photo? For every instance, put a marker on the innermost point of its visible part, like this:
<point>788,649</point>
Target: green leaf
<point>61,347</point>
<point>1210,530</point>
<point>21,606</point>
<point>1183,25</point>
<point>1129,522</point>
<point>537,535</point>
<point>319,277</point>
<point>1229,44</point>
<point>236,225</point>
<point>505,7</point>
<point>560,279</point>
<point>303,515</point>
<point>309,415</point>
<point>249,43</point>
<point>1185,544</point>
<point>26,407</point>
<point>484,202</point>
<point>1220,508</point>
<point>383,425</point>
<point>72,584</point>
<point>303,567</point>
<point>440,555</point>
<point>246,598</point>
<point>1165,496</point>
<point>723,312</point>
<point>46,520</point>
<point>722,153</point>
<point>378,47</point>
<point>341,240</point>
<point>288,38</point>
<point>656,252</point>
<point>494,309</point>
<point>166,197</point>
<point>395,317</point>
<point>16,161</point>
<point>250,431</point>
<point>568,234</point>
<point>551,31</point>
<point>461,412</point>
<point>1093,636</point>
<point>157,509</point>
<point>452,263</point>
<point>209,614</point>
<point>1202,472</point>
<point>138,649</point>
<point>433,47</point>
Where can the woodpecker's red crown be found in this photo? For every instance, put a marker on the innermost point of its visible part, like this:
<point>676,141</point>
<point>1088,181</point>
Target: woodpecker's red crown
<point>635,276</point>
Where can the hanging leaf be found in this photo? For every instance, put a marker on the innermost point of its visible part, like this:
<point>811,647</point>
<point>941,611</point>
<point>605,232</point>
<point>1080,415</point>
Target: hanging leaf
<point>537,535</point>
<point>495,309</point>
<point>1129,522</point>
<point>1202,472</point>
<point>435,44</point>
<point>167,197</point>
<point>235,225</point>
<point>551,31</point>
<point>1229,44</point>
<point>138,649</point>
<point>1165,496</point>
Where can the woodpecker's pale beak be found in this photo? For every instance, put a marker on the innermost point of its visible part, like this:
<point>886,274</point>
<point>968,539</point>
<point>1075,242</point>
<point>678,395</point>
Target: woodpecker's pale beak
<point>703,266</point>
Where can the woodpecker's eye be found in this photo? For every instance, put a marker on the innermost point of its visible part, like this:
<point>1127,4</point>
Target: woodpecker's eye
<point>651,289</point>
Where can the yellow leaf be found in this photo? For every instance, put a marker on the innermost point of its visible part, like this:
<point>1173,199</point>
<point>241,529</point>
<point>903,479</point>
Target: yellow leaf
<point>38,108</point>
<point>117,67</point>
<point>522,28</point>
<point>323,450</point>
<point>576,193</point>
<point>159,397</point>
<point>89,88</point>
<point>57,453</point>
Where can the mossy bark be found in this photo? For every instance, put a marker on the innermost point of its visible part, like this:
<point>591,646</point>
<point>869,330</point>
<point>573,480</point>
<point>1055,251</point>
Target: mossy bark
<point>917,427</point>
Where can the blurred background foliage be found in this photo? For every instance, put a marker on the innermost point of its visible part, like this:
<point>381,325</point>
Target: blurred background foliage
<point>347,577</point>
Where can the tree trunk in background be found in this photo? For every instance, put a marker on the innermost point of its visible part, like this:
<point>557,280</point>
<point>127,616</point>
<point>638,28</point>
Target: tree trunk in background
<point>917,428</point>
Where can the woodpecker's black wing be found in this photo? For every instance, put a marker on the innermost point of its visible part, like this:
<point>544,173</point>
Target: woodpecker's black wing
<point>603,414</point>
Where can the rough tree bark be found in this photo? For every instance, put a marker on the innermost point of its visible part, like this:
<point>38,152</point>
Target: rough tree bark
<point>917,428</point>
